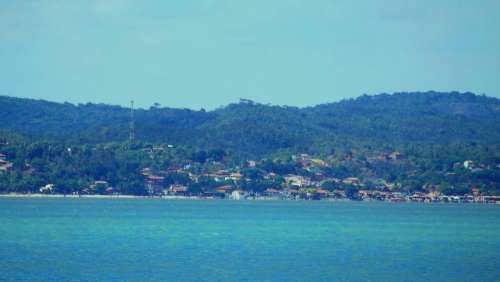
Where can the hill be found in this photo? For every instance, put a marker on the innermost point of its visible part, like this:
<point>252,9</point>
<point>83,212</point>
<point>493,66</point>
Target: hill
<point>430,142</point>
<point>254,129</point>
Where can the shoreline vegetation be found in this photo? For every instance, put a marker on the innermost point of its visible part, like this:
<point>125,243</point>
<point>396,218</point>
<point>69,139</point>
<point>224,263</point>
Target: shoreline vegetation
<point>37,195</point>
<point>405,147</point>
<point>232,198</point>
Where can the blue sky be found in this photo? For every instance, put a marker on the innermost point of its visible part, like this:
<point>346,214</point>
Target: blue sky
<point>208,53</point>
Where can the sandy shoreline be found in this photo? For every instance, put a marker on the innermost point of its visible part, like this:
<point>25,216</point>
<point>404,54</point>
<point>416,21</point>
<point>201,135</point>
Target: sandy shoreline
<point>118,197</point>
<point>14,195</point>
<point>71,196</point>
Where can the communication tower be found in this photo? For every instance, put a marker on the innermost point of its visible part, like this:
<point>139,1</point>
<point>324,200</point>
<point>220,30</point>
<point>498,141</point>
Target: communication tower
<point>132,123</point>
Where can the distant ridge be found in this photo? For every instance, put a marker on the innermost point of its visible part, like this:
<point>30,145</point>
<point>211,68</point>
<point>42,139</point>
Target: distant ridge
<point>257,129</point>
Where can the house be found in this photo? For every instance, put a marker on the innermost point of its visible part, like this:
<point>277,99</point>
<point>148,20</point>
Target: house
<point>397,197</point>
<point>146,171</point>
<point>468,198</point>
<point>365,194</point>
<point>193,177</point>
<point>235,195</point>
<point>381,196</point>
<point>305,157</point>
<point>178,190</point>
<point>492,199</point>
<point>101,182</point>
<point>395,156</point>
<point>476,192</point>
<point>155,184</point>
<point>352,181</point>
<point>47,189</point>
<point>158,149</point>
<point>337,194</point>
<point>271,192</point>
<point>418,197</point>
<point>155,178</point>
<point>318,162</point>
<point>224,188</point>
<point>99,186</point>
<point>320,194</point>
<point>214,195</point>
<point>221,175</point>
<point>469,164</point>
<point>174,169</point>
<point>4,165</point>
<point>290,193</point>
<point>235,176</point>
<point>297,181</point>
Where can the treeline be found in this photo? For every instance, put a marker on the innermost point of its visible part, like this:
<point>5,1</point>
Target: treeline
<point>255,130</point>
<point>76,145</point>
<point>74,168</point>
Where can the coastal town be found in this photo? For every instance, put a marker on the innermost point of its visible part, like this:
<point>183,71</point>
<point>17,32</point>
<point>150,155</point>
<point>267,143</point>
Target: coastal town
<point>316,186</point>
<point>303,178</point>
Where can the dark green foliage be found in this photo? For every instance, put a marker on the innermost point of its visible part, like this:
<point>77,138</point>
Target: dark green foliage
<point>252,129</point>
<point>436,133</point>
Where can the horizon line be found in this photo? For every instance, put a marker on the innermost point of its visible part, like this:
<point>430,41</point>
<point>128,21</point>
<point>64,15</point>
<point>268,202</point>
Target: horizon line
<point>252,101</point>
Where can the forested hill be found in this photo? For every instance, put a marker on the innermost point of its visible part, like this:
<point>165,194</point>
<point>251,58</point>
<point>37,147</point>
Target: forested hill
<point>257,129</point>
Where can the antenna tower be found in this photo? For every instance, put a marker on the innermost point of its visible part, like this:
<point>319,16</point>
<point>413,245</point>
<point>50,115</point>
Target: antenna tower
<point>131,135</point>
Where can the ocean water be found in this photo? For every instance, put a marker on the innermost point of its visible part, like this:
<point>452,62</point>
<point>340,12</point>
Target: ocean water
<point>162,240</point>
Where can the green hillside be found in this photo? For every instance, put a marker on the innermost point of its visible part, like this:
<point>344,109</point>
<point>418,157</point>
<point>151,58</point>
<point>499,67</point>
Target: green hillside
<point>257,129</point>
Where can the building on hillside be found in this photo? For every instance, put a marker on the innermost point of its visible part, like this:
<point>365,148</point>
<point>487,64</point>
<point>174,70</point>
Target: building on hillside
<point>3,160</point>
<point>318,162</point>
<point>224,189</point>
<point>468,164</point>
<point>352,181</point>
<point>146,171</point>
<point>297,181</point>
<point>221,175</point>
<point>235,176</point>
<point>4,165</point>
<point>395,156</point>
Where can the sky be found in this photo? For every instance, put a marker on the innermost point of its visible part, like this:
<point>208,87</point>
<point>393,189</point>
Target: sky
<point>208,53</point>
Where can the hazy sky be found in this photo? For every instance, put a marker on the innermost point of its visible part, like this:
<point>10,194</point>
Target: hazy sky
<point>208,53</point>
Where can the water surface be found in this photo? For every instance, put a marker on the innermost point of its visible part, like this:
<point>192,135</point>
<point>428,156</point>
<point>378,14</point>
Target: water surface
<point>159,240</point>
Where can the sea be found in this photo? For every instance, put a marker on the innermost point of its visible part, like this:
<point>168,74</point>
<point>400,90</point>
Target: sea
<point>58,239</point>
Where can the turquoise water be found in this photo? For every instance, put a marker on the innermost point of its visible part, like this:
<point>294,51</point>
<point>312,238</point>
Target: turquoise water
<point>159,240</point>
